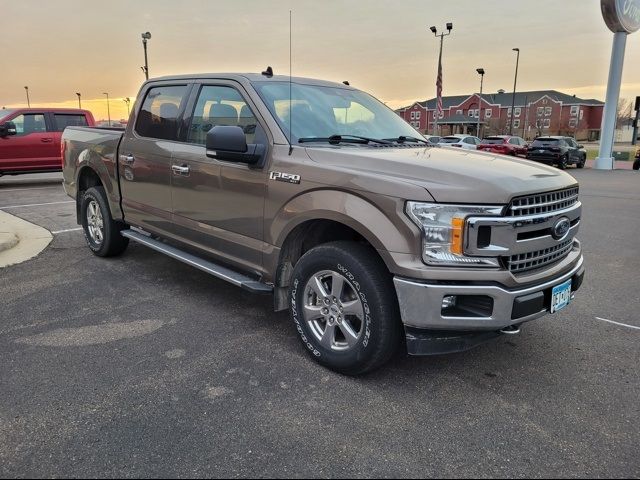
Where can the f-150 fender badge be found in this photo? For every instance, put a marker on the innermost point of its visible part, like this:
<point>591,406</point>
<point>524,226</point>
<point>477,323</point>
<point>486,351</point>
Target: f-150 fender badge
<point>285,177</point>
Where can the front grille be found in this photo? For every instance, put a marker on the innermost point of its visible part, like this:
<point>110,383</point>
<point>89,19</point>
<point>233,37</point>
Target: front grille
<point>542,203</point>
<point>532,260</point>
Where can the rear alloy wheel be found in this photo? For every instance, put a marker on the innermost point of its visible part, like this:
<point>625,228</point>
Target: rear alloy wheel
<point>101,231</point>
<point>344,307</point>
<point>581,163</point>
<point>562,163</point>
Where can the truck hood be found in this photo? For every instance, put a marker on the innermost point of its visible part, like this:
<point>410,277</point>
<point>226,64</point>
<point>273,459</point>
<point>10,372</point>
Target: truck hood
<point>449,175</point>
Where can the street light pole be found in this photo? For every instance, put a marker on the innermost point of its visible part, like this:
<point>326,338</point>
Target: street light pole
<point>434,30</point>
<point>79,103</point>
<point>481,72</point>
<point>513,100</point>
<point>145,36</point>
<point>108,108</point>
<point>26,89</point>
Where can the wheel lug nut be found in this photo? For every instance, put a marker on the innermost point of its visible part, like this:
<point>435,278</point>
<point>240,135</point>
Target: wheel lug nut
<point>325,311</point>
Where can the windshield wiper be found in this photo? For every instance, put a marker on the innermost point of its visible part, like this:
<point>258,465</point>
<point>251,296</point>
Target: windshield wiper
<point>403,139</point>
<point>337,139</point>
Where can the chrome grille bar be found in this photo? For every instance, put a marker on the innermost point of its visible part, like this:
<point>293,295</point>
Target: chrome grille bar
<point>543,202</point>
<point>531,260</point>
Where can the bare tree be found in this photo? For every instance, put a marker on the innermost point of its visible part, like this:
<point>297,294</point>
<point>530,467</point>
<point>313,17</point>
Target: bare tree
<point>625,113</point>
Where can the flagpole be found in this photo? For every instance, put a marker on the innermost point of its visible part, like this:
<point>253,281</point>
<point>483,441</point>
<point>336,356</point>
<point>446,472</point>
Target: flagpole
<point>439,108</point>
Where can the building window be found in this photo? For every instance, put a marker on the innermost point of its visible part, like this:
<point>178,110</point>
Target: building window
<point>488,113</point>
<point>581,114</point>
<point>441,114</point>
<point>518,111</point>
<point>574,110</point>
<point>418,115</point>
<point>509,112</point>
<point>413,115</point>
<point>434,114</point>
<point>459,112</point>
<point>573,123</point>
<point>472,113</point>
<point>516,123</point>
<point>540,111</point>
<point>547,111</point>
<point>547,122</point>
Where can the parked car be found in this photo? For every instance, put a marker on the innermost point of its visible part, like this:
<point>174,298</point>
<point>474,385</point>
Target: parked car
<point>433,138</point>
<point>30,138</point>
<point>466,142</point>
<point>504,144</point>
<point>560,151</point>
<point>636,163</point>
<point>369,235</point>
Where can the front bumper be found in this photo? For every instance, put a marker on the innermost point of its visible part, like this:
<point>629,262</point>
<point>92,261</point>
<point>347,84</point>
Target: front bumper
<point>498,307</point>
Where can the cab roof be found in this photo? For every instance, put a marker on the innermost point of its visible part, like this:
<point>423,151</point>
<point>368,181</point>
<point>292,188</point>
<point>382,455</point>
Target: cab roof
<point>251,77</point>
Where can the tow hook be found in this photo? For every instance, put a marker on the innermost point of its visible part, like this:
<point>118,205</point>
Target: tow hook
<point>511,330</point>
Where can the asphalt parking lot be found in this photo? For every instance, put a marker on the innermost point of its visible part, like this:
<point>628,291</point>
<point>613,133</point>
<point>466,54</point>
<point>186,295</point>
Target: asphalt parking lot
<point>141,366</point>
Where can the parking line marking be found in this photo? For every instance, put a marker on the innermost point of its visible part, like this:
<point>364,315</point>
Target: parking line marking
<point>67,230</point>
<point>618,323</point>
<point>2,190</point>
<point>36,205</point>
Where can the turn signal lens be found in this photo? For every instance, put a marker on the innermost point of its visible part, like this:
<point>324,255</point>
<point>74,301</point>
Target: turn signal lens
<point>457,225</point>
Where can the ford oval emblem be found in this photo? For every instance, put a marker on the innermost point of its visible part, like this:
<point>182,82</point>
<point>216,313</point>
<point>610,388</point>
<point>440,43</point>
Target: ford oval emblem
<point>561,228</point>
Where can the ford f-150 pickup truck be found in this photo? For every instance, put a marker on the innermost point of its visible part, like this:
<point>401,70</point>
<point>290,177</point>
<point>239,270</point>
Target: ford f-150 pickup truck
<point>317,193</point>
<point>30,138</point>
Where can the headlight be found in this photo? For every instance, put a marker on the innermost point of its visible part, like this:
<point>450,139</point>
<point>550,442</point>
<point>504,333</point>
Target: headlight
<point>442,229</point>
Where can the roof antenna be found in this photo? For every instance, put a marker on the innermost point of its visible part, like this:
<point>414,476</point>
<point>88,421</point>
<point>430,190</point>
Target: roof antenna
<point>268,72</point>
<point>290,94</point>
<point>346,82</point>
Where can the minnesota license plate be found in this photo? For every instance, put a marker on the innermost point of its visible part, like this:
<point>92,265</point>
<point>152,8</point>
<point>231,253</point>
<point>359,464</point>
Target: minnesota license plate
<point>560,296</point>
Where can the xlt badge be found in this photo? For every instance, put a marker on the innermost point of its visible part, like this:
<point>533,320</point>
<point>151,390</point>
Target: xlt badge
<point>284,177</point>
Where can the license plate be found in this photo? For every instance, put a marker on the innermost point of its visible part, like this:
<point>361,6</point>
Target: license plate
<point>560,296</point>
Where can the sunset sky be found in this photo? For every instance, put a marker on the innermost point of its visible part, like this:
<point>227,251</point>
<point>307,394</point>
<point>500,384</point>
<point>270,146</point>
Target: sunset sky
<point>61,47</point>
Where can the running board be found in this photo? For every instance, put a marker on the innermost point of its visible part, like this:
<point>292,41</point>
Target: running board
<point>218,271</point>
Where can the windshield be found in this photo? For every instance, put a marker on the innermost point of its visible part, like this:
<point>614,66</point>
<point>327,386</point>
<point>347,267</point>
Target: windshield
<point>493,141</point>
<point>5,113</point>
<point>449,140</point>
<point>323,112</point>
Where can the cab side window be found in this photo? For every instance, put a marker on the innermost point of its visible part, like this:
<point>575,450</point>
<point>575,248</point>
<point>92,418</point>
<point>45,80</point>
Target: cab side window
<point>30,123</point>
<point>158,117</point>
<point>220,106</point>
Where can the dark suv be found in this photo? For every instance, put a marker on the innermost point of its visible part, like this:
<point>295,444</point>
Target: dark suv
<point>560,151</point>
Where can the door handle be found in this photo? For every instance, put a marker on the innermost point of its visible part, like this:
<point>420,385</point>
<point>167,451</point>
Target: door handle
<point>127,159</point>
<point>182,170</point>
<point>46,140</point>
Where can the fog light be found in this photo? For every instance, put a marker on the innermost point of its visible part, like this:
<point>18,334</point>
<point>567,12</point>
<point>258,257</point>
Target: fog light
<point>449,301</point>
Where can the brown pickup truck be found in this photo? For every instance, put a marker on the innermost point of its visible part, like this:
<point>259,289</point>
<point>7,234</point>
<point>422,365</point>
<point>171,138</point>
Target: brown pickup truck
<point>320,195</point>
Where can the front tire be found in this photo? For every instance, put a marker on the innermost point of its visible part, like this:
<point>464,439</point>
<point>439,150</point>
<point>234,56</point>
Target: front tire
<point>636,164</point>
<point>101,231</point>
<point>344,307</point>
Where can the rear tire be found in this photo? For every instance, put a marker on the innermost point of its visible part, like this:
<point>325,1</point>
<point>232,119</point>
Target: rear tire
<point>562,164</point>
<point>636,164</point>
<point>581,163</point>
<point>101,231</point>
<point>344,307</point>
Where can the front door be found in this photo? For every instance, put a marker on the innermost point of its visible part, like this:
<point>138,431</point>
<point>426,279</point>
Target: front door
<point>218,206</point>
<point>33,146</point>
<point>145,158</point>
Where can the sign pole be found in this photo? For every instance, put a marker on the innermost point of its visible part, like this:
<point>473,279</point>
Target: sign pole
<point>605,156</point>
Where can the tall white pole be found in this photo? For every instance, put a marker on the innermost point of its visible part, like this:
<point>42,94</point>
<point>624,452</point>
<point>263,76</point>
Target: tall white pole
<point>605,156</point>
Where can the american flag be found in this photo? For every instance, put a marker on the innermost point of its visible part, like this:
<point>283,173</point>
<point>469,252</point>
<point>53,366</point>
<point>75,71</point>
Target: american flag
<point>439,109</point>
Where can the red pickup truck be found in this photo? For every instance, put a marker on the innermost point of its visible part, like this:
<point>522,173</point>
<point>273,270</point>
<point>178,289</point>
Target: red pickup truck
<point>30,138</point>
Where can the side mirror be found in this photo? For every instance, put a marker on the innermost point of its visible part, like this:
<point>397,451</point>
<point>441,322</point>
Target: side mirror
<point>9,128</point>
<point>230,144</point>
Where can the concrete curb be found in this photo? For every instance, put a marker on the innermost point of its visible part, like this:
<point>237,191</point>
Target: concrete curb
<point>20,240</point>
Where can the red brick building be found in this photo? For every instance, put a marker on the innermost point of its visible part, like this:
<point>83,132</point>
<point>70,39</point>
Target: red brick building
<point>545,112</point>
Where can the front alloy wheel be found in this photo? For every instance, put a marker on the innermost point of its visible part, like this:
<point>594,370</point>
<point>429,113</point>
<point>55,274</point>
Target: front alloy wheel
<point>333,311</point>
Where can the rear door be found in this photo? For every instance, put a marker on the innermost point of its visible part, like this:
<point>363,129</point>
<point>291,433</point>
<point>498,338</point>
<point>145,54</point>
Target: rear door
<point>144,156</point>
<point>61,120</point>
<point>574,153</point>
<point>218,206</point>
<point>33,146</point>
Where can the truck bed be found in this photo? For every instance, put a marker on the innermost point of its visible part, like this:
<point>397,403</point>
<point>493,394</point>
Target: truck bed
<point>93,147</point>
